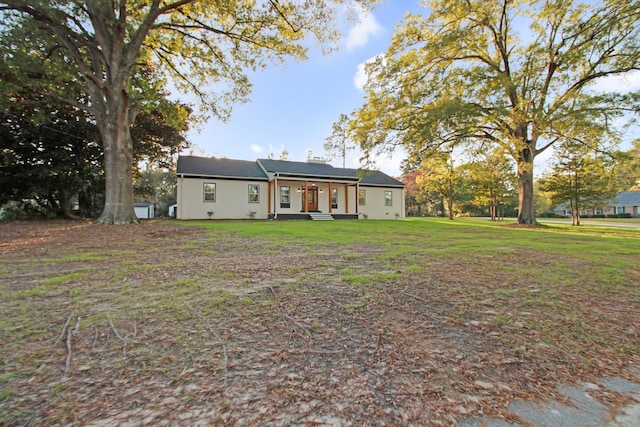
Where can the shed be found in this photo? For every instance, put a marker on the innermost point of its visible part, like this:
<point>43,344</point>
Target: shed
<point>144,210</point>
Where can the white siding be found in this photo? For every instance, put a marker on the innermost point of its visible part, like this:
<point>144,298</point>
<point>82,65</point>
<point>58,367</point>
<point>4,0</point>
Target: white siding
<point>144,212</point>
<point>375,208</point>
<point>232,199</point>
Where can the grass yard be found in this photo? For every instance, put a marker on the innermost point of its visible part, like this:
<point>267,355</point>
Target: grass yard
<point>425,321</point>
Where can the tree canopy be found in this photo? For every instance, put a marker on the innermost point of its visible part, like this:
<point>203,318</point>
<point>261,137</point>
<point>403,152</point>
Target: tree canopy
<point>47,163</point>
<point>103,48</point>
<point>579,180</point>
<point>508,73</point>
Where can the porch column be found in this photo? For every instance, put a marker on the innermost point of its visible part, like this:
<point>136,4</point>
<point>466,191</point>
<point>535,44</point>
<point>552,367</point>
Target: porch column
<point>306,196</point>
<point>346,198</point>
<point>275,197</point>
<point>357,196</point>
<point>268,197</point>
<point>330,196</point>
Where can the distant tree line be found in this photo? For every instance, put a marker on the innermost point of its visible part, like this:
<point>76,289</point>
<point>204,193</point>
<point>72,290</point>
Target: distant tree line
<point>580,177</point>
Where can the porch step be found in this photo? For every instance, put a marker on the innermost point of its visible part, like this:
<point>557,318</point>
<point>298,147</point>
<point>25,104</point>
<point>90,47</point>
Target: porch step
<point>319,216</point>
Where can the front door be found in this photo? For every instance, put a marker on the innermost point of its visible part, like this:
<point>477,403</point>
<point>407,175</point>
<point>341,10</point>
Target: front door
<point>312,199</point>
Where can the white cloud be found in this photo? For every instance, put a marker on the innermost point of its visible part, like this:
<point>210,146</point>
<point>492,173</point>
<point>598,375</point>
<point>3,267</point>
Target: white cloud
<point>360,78</point>
<point>256,148</point>
<point>619,83</point>
<point>365,27</point>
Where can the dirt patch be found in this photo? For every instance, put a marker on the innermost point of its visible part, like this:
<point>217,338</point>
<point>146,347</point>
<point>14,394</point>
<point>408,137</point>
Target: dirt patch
<point>164,324</point>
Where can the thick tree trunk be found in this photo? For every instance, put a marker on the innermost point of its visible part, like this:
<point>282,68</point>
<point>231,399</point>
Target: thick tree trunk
<point>526,212</point>
<point>118,171</point>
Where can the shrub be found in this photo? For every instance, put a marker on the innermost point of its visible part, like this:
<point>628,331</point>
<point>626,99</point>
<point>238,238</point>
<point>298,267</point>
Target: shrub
<point>549,214</point>
<point>21,210</point>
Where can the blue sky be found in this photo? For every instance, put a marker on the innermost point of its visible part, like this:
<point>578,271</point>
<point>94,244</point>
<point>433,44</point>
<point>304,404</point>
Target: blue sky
<point>293,107</point>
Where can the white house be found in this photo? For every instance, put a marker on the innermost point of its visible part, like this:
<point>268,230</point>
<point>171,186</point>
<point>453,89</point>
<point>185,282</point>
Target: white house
<point>279,189</point>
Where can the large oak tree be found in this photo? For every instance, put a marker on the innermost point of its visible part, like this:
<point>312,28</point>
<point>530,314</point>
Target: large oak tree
<point>513,73</point>
<point>203,46</point>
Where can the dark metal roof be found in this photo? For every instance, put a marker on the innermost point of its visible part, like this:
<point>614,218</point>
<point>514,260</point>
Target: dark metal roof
<point>373,177</point>
<point>228,168</point>
<point>212,167</point>
<point>303,169</point>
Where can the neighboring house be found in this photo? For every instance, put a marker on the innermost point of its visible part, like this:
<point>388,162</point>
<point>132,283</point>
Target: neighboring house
<point>279,189</point>
<point>627,202</point>
<point>144,210</point>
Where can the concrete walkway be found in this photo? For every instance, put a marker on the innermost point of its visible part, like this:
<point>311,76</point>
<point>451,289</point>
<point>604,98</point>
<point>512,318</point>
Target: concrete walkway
<point>583,411</point>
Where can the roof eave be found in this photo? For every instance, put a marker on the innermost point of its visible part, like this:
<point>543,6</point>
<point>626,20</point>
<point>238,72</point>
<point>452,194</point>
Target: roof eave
<point>247,178</point>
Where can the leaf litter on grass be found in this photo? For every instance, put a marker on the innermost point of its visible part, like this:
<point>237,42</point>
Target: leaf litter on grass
<point>232,330</point>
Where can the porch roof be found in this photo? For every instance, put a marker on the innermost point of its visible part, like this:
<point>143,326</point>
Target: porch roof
<point>285,168</point>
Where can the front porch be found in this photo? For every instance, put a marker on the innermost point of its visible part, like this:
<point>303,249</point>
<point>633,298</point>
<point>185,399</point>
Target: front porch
<point>307,216</point>
<point>290,198</point>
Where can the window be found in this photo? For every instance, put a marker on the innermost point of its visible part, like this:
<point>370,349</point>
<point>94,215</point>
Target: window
<point>362,197</point>
<point>334,198</point>
<point>619,209</point>
<point>285,197</point>
<point>209,192</point>
<point>388,198</point>
<point>254,193</point>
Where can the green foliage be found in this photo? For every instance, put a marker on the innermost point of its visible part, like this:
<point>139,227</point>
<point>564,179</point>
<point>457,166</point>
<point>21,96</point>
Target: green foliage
<point>115,58</point>
<point>627,171</point>
<point>579,180</point>
<point>50,157</point>
<point>439,175</point>
<point>157,186</point>
<point>493,183</point>
<point>516,75</point>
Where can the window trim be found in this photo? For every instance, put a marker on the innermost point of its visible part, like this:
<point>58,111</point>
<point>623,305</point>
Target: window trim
<point>334,193</point>
<point>285,205</point>
<point>388,201</point>
<point>205,192</point>
<point>257,193</point>
<point>362,199</point>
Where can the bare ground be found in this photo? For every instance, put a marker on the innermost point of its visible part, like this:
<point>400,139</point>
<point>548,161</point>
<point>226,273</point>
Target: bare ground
<point>162,324</point>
